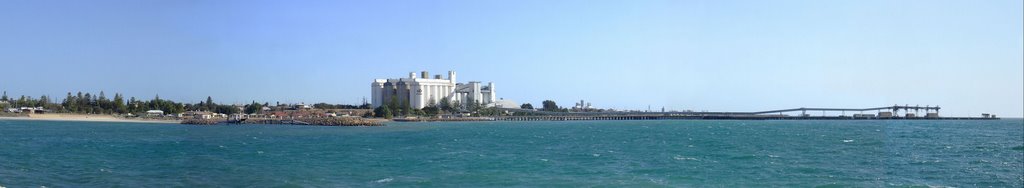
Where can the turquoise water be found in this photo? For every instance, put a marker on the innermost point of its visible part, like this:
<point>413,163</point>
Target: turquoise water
<point>480,154</point>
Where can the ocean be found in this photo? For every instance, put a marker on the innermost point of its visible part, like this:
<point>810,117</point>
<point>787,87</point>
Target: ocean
<point>655,153</point>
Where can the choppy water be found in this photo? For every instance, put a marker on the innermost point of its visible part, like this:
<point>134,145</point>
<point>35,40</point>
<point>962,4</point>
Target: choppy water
<point>475,154</point>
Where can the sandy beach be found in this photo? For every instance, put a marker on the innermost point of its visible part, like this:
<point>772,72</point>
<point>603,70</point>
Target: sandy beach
<point>85,117</point>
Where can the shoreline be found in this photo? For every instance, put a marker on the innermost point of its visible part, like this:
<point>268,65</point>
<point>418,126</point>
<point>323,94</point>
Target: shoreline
<point>87,118</point>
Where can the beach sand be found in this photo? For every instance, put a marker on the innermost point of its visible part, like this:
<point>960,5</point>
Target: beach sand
<point>84,117</point>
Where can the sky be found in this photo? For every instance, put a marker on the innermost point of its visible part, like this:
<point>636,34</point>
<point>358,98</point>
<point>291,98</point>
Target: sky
<point>965,56</point>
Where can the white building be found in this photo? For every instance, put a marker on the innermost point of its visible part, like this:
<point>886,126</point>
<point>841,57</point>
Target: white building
<point>424,91</point>
<point>155,112</point>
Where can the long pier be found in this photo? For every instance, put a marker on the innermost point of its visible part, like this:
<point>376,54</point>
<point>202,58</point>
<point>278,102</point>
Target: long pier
<point>883,113</point>
<point>725,117</point>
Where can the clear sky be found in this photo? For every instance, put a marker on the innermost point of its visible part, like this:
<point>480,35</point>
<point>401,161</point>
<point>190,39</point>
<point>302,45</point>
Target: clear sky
<point>701,55</point>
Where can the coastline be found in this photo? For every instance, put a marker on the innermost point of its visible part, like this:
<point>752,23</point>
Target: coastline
<point>86,118</point>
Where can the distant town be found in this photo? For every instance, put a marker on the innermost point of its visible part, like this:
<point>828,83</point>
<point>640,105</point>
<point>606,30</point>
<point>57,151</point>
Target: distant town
<point>417,97</point>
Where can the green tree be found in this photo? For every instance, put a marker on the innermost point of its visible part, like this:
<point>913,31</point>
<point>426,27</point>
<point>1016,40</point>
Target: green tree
<point>473,106</point>
<point>393,105</point>
<point>445,104</point>
<point>431,110</point>
<point>379,111</point>
<point>388,114</point>
<point>226,109</point>
<point>119,106</point>
<point>104,103</point>
<point>526,106</point>
<point>457,106</point>
<point>253,108</point>
<point>67,102</point>
<point>209,103</point>
<point>4,98</point>
<point>550,105</point>
<point>383,111</point>
<point>406,109</point>
<point>43,101</point>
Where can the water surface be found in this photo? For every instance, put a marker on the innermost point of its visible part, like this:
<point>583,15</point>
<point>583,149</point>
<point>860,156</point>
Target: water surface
<point>473,154</point>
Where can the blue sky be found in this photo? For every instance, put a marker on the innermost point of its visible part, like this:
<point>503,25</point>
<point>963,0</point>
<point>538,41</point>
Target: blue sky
<point>701,55</point>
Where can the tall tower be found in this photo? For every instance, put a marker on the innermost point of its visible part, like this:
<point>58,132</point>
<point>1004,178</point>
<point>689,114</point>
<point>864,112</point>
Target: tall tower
<point>451,76</point>
<point>493,97</point>
<point>377,92</point>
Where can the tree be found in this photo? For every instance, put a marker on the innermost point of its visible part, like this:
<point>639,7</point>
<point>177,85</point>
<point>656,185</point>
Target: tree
<point>379,111</point>
<point>253,108</point>
<point>550,105</point>
<point>431,110</point>
<point>86,102</point>
<point>43,101</point>
<point>526,106</point>
<point>457,105</point>
<point>133,105</point>
<point>209,103</point>
<point>4,98</point>
<point>474,106</point>
<point>445,104</point>
<point>406,109</point>
<point>119,106</point>
<point>104,103</point>
<point>393,105</point>
<point>226,109</point>
<point>387,114</point>
<point>383,111</point>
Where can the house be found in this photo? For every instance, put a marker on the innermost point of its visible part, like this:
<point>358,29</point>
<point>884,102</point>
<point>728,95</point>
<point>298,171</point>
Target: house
<point>155,112</point>
<point>33,110</point>
<point>198,115</point>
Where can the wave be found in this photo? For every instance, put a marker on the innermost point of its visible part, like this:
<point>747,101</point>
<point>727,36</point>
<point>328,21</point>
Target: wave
<point>684,158</point>
<point>385,180</point>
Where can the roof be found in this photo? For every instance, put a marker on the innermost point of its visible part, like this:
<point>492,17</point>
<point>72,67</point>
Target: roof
<point>155,111</point>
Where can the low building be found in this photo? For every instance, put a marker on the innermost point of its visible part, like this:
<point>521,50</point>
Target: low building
<point>885,114</point>
<point>33,110</point>
<point>155,113</point>
<point>198,115</point>
<point>864,115</point>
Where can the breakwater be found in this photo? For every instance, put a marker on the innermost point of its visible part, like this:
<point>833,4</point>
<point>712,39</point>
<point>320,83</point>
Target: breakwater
<point>328,121</point>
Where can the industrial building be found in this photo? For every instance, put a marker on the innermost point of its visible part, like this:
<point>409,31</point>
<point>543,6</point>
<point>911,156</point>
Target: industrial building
<point>424,90</point>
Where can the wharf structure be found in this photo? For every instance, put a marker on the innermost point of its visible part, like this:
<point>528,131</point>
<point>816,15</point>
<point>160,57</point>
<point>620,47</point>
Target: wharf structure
<point>424,90</point>
<point>883,113</point>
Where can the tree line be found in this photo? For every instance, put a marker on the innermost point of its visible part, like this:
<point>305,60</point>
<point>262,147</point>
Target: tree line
<point>88,103</point>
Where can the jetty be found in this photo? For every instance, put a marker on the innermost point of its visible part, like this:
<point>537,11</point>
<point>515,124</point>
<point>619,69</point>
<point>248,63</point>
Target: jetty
<point>876,113</point>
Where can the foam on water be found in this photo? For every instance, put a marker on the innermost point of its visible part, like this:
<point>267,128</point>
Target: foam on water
<point>681,158</point>
<point>385,180</point>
